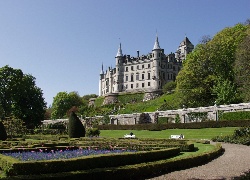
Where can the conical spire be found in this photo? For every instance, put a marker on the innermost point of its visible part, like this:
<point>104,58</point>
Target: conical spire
<point>119,52</point>
<point>157,45</point>
<point>102,72</point>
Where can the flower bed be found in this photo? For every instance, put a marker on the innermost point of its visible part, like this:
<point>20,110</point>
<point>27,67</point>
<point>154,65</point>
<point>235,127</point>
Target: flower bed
<point>67,154</point>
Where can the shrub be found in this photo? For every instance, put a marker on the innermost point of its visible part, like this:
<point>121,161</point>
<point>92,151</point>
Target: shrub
<point>3,134</point>
<point>177,118</point>
<point>164,120</point>
<point>58,125</point>
<point>91,132</point>
<point>144,118</point>
<point>240,136</point>
<point>239,115</point>
<point>14,127</point>
<point>76,128</point>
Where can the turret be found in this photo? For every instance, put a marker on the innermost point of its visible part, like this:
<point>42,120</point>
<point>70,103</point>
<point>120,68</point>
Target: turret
<point>119,68</point>
<point>184,48</point>
<point>100,81</point>
<point>156,52</point>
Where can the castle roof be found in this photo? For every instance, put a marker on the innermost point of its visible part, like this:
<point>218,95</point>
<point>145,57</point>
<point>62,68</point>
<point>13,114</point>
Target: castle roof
<point>119,52</point>
<point>156,45</point>
<point>186,40</point>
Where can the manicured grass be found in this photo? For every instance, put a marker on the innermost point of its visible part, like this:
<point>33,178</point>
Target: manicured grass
<point>206,133</point>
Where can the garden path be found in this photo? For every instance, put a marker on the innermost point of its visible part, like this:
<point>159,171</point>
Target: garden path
<point>233,163</point>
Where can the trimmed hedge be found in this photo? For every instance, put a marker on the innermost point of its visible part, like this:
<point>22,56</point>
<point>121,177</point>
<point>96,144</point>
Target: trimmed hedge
<point>14,167</point>
<point>137,171</point>
<point>194,125</point>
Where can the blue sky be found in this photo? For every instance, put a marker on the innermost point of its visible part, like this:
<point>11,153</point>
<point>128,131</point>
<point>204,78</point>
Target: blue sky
<point>63,43</point>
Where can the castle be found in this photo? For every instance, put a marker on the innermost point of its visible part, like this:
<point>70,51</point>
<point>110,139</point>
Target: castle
<point>145,73</point>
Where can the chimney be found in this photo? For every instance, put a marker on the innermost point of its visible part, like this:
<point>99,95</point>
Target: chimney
<point>138,53</point>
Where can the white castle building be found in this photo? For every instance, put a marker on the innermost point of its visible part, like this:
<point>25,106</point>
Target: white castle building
<point>145,73</point>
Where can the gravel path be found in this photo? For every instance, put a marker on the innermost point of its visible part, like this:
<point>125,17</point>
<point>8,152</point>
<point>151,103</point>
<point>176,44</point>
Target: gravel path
<point>233,163</point>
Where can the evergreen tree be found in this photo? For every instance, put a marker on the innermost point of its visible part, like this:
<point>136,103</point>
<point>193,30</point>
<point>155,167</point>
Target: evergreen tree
<point>76,128</point>
<point>3,134</point>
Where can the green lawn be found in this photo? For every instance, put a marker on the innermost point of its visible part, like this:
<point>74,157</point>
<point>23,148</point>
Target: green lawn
<point>206,133</point>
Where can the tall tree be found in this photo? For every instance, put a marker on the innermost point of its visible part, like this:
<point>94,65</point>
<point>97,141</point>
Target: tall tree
<point>242,67</point>
<point>63,102</point>
<point>20,97</point>
<point>206,65</point>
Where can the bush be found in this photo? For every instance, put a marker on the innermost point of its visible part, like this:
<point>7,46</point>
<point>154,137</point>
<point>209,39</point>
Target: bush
<point>193,125</point>
<point>91,132</point>
<point>76,128</point>
<point>58,125</point>
<point>239,115</point>
<point>240,136</point>
<point>3,134</point>
<point>144,118</point>
<point>164,120</point>
<point>14,127</point>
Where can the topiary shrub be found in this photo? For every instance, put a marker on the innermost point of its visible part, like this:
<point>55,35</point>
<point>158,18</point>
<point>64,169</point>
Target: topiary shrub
<point>3,134</point>
<point>76,128</point>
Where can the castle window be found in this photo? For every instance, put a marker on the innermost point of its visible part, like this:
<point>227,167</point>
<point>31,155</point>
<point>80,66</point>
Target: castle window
<point>148,75</point>
<point>148,83</point>
<point>142,67</point>
<point>132,68</point>
<point>171,76</point>
<point>137,76</point>
<point>137,85</point>
<point>142,76</point>
<point>138,67</point>
<point>168,76</point>
<point>126,86</point>
<point>131,86</point>
<point>174,68</point>
<point>142,85</point>
<point>132,78</point>
<point>126,68</point>
<point>126,78</point>
<point>148,65</point>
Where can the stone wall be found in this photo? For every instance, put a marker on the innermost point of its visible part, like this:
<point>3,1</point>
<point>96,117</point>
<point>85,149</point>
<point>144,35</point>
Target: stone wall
<point>130,119</point>
<point>110,99</point>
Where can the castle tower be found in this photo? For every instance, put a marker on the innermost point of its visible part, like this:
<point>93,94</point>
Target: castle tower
<point>184,49</point>
<point>156,55</point>
<point>119,68</point>
<point>100,81</point>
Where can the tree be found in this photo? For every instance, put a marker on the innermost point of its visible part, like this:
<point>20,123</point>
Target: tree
<point>20,97</point>
<point>63,102</point>
<point>242,68</point>
<point>169,87</point>
<point>226,92</point>
<point>3,134</point>
<point>207,65</point>
<point>76,128</point>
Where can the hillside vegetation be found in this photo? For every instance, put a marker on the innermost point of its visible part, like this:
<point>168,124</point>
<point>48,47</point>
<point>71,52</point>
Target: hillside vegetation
<point>133,103</point>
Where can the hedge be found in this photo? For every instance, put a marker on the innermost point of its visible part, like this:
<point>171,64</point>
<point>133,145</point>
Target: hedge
<point>193,125</point>
<point>14,167</point>
<point>137,171</point>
